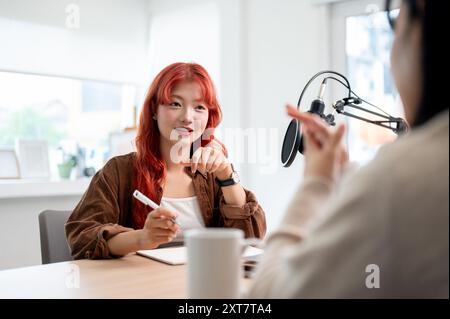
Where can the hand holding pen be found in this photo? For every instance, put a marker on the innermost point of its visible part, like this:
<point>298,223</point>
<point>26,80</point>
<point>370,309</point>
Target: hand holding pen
<point>147,201</point>
<point>160,226</point>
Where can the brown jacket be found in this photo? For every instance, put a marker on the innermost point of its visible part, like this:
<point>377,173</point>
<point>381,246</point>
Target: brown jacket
<point>105,209</point>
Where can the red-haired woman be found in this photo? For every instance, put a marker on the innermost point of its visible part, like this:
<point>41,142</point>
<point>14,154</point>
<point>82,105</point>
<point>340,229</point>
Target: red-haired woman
<point>180,110</point>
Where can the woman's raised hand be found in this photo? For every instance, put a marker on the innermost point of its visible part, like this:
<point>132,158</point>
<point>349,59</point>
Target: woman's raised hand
<point>325,155</point>
<point>211,159</point>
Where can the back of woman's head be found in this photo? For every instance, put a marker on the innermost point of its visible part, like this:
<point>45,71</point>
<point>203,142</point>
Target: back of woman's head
<point>434,16</point>
<point>149,166</point>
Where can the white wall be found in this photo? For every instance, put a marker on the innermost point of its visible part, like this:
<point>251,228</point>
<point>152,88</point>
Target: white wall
<point>111,43</point>
<point>287,43</point>
<point>19,239</point>
<point>184,31</point>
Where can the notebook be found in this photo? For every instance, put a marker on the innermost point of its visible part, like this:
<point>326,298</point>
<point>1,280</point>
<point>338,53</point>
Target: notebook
<point>178,255</point>
<point>171,255</point>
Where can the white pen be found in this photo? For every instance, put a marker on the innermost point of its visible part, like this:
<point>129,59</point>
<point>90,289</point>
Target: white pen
<point>147,201</point>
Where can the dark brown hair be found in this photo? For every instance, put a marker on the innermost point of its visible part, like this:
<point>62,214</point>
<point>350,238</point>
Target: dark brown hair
<point>434,15</point>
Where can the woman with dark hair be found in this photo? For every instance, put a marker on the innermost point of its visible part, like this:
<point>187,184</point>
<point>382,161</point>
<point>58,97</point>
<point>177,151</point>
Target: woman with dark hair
<point>178,164</point>
<point>384,232</point>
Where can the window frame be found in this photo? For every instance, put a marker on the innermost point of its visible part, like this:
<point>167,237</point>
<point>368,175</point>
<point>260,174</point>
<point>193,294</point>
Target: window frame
<point>339,12</point>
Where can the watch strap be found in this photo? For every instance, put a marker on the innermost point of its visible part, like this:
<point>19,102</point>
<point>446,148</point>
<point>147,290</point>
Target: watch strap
<point>226,182</point>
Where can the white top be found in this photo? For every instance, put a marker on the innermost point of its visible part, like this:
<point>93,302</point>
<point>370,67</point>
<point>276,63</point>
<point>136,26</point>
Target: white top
<point>188,210</point>
<point>383,233</point>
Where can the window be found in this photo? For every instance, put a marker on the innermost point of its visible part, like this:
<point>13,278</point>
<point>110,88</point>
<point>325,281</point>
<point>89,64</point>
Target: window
<point>72,115</point>
<point>361,31</point>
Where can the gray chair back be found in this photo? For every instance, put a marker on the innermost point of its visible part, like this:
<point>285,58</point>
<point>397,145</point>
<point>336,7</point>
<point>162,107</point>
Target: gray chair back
<point>54,246</point>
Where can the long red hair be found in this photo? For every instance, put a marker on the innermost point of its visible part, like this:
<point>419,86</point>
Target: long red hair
<point>150,170</point>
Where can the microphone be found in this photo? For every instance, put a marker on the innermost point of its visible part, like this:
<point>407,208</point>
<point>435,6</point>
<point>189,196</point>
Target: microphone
<point>293,139</point>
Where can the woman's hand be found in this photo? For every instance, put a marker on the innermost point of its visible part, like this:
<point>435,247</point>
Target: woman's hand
<point>211,159</point>
<point>325,155</point>
<point>158,228</point>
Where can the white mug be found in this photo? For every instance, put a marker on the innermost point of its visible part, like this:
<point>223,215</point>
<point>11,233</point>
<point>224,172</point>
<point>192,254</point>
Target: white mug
<point>214,262</point>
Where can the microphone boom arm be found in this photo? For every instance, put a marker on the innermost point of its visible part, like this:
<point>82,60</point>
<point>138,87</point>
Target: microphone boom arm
<point>400,125</point>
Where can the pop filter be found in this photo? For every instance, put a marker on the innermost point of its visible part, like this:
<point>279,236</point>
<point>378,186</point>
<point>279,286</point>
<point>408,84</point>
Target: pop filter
<point>293,139</point>
<point>292,143</point>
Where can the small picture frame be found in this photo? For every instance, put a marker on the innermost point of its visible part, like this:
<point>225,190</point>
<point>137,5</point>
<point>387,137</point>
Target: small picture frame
<point>9,165</point>
<point>33,158</point>
<point>121,143</point>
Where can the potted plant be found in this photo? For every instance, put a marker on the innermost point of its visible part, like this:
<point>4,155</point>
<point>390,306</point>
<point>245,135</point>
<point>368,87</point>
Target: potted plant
<point>65,168</point>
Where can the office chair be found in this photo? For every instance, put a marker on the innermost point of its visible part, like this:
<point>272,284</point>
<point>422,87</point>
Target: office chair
<point>54,246</point>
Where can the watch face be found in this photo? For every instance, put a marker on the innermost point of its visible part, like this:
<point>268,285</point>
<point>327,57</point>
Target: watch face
<point>235,177</point>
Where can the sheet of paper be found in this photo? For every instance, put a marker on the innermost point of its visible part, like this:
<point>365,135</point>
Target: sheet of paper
<point>178,255</point>
<point>171,255</point>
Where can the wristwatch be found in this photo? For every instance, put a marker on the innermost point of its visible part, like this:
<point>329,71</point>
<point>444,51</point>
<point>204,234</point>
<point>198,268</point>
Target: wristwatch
<point>233,179</point>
